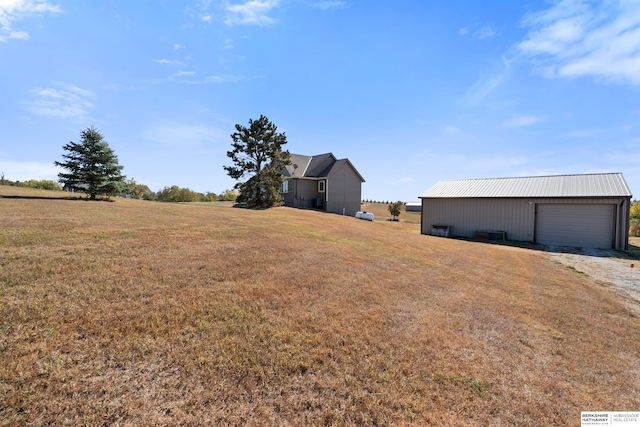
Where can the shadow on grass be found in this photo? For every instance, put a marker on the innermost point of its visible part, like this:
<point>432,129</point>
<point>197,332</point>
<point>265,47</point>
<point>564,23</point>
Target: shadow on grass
<point>632,254</point>
<point>71,198</point>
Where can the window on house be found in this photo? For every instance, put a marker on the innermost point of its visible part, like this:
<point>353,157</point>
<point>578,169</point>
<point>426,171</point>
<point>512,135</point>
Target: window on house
<point>320,186</point>
<point>285,187</point>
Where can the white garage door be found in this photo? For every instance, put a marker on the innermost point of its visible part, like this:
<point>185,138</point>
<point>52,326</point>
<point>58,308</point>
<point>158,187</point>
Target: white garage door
<point>585,226</point>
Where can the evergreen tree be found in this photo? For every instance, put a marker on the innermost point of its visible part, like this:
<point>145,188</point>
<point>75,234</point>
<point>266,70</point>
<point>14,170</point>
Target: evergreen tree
<point>257,153</point>
<point>92,167</point>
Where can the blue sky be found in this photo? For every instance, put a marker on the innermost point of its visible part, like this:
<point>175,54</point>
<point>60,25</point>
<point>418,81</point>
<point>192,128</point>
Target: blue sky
<point>411,92</point>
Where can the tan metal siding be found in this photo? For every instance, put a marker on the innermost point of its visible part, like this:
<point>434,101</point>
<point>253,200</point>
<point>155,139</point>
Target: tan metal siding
<point>466,216</point>
<point>516,216</point>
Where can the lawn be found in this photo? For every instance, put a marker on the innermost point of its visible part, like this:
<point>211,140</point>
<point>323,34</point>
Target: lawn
<point>140,313</point>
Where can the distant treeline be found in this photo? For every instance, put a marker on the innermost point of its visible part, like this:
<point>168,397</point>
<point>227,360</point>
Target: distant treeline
<point>33,183</point>
<point>176,194</point>
<point>375,201</point>
<point>634,219</point>
<point>135,190</point>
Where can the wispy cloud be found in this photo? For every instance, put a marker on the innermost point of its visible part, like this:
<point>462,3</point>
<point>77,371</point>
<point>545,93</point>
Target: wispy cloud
<point>192,78</point>
<point>183,134</point>
<point>582,133</point>
<point>24,171</point>
<point>326,5</point>
<point>521,121</point>
<point>12,11</point>
<point>482,33</point>
<point>64,102</point>
<point>451,130</point>
<point>251,12</point>
<point>172,62</point>
<point>487,83</point>
<point>576,38</point>
<point>225,78</point>
<point>485,32</point>
<point>184,73</point>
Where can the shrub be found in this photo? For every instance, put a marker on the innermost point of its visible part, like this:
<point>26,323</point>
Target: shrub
<point>394,209</point>
<point>228,196</point>
<point>41,184</point>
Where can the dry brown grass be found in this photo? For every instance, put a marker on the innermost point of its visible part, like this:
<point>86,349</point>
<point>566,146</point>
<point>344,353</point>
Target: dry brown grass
<point>140,313</point>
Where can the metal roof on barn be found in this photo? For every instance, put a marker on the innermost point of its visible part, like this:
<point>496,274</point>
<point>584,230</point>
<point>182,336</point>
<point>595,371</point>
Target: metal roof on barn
<point>585,185</point>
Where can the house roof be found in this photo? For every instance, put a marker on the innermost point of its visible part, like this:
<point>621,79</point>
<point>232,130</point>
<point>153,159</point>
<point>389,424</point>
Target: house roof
<point>586,185</point>
<point>318,166</point>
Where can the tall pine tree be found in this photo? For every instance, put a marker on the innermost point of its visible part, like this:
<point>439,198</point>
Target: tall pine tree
<point>92,167</point>
<point>257,153</point>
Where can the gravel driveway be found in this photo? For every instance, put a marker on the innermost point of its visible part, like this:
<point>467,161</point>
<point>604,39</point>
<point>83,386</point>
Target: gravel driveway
<point>611,268</point>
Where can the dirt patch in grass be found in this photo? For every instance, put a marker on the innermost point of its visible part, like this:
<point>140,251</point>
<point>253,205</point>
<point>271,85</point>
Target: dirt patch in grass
<point>619,270</point>
<point>142,313</point>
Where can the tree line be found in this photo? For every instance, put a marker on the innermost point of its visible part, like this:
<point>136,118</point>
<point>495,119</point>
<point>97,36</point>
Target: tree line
<point>634,219</point>
<point>134,190</point>
<point>91,167</point>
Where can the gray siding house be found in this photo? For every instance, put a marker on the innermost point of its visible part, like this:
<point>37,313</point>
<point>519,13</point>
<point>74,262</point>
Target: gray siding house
<point>322,182</point>
<point>589,211</point>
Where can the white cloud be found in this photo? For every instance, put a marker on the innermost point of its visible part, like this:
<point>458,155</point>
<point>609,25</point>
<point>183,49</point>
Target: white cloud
<point>403,180</point>
<point>224,78</point>
<point>451,130</point>
<point>251,12</point>
<point>183,134</point>
<point>326,5</point>
<point>24,171</point>
<point>487,83</point>
<point>177,47</point>
<point>484,33</point>
<point>581,133</point>
<point>12,11</point>
<point>65,102</point>
<point>521,121</point>
<point>578,38</point>
<point>172,62</point>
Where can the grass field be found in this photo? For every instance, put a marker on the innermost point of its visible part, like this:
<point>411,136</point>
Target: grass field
<point>140,313</point>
